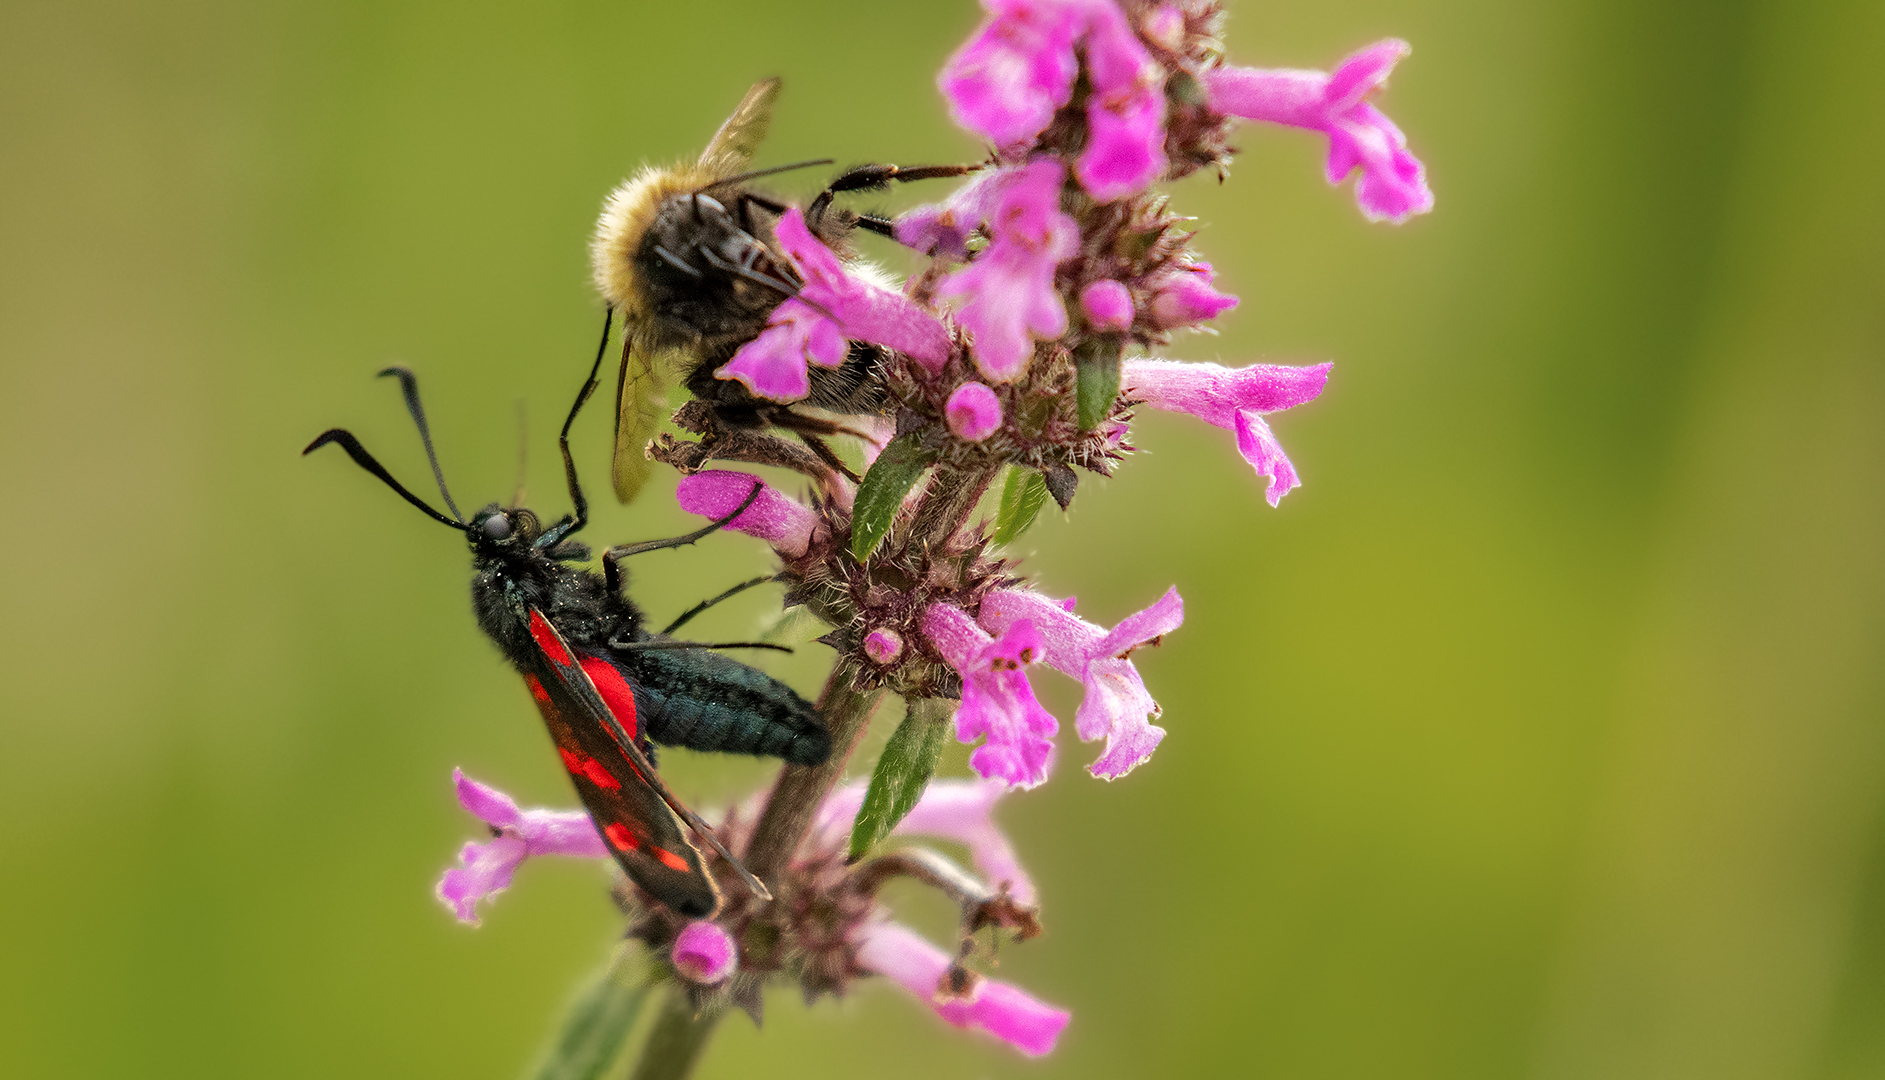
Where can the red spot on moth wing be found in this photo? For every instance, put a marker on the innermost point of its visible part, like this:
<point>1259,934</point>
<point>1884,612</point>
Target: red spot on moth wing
<point>599,775</point>
<point>670,859</point>
<point>536,689</point>
<point>546,638</point>
<point>618,834</point>
<point>615,691</point>
<point>573,762</point>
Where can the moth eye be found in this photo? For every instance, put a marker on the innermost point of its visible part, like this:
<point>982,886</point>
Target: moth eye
<point>497,526</point>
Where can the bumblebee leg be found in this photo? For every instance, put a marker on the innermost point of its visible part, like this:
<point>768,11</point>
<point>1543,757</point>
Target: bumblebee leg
<point>873,178</point>
<point>574,525</point>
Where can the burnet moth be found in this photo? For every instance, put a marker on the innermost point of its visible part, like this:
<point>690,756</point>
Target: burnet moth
<point>606,686</point>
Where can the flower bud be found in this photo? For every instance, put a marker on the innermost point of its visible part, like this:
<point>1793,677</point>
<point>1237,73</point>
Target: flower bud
<point>973,411</point>
<point>1186,298</point>
<point>883,646</point>
<point>704,953</point>
<point>1108,305</point>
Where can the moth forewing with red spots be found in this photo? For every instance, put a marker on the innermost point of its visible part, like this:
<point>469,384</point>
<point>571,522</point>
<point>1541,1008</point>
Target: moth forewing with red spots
<point>636,813</point>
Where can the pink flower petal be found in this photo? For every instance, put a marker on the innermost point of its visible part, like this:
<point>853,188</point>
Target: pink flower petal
<point>1260,448</point>
<point>1393,184</point>
<point>997,702</point>
<point>1117,706</point>
<point>774,364</point>
<point>959,810</point>
<point>1234,400</point>
<point>784,522</point>
<point>488,867</point>
<point>997,1008</point>
<point>1125,148</point>
<point>1007,81</point>
<point>864,310</point>
<point>1009,287</point>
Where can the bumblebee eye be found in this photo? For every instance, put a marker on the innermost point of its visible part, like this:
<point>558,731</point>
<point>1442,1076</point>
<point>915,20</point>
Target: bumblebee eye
<point>497,527</point>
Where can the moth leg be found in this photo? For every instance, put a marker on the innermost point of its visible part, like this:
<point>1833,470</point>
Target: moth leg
<point>705,604</point>
<point>623,551</point>
<point>656,645</point>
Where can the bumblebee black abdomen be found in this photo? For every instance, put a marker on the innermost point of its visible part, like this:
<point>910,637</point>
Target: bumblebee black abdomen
<point>705,701</point>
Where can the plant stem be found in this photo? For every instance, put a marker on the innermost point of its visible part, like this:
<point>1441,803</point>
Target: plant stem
<point>676,1040</point>
<point>801,789</point>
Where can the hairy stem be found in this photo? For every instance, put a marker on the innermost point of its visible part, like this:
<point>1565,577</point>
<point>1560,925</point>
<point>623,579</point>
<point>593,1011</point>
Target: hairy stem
<point>801,789</point>
<point>676,1040</point>
<point>947,503</point>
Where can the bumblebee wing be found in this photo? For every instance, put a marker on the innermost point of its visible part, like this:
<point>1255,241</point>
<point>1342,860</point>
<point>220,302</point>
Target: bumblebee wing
<point>641,398</point>
<point>738,139</point>
<point>620,790</point>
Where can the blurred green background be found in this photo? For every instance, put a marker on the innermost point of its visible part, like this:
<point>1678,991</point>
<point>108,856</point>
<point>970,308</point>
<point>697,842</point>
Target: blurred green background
<point>1538,735</point>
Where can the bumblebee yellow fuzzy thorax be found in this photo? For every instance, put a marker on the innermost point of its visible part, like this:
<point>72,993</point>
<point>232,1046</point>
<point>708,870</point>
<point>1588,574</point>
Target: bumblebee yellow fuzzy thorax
<point>626,215</point>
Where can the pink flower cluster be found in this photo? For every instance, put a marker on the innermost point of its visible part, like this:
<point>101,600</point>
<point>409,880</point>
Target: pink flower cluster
<point>1015,629</point>
<point>704,953</point>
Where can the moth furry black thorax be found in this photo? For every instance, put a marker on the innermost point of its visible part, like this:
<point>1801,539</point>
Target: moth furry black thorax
<point>684,697</point>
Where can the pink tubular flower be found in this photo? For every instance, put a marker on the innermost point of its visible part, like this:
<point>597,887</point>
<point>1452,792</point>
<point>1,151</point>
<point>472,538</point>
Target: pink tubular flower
<point>703,953</point>
<point>1001,1010</point>
<point>1185,297</point>
<point>1117,705</point>
<point>959,810</point>
<point>1008,80</point>
<point>1010,286</point>
<point>973,412</point>
<point>779,520</point>
<point>488,867</point>
<point>1393,184</point>
<point>943,230</point>
<point>1233,399</point>
<point>773,365</point>
<point>1125,147</point>
<point>1108,305</point>
<point>997,701</point>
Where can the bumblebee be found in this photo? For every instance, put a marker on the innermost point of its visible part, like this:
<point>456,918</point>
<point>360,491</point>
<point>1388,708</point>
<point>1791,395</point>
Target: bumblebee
<point>687,257</point>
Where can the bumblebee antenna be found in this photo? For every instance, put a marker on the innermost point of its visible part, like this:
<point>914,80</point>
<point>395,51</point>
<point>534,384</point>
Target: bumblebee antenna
<point>756,173</point>
<point>365,460</point>
<point>409,386</point>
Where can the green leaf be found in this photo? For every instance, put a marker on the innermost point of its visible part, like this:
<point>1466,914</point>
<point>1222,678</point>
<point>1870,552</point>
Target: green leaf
<point>1022,496</point>
<point>1096,367</point>
<point>902,772</point>
<point>598,1022</point>
<point>880,496</point>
